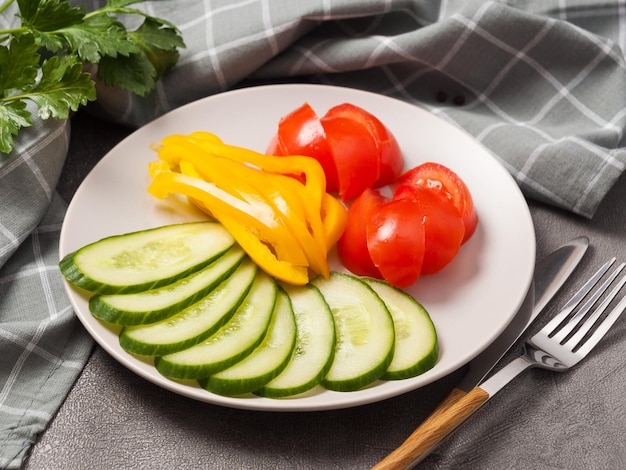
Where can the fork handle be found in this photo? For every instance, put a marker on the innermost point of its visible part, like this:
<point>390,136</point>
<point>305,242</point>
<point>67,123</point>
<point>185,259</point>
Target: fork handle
<point>456,408</point>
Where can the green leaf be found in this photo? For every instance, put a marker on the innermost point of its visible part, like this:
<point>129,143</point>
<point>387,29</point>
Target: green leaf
<point>13,116</point>
<point>134,11</point>
<point>153,33</point>
<point>134,73</point>
<point>98,36</point>
<point>49,15</point>
<point>63,86</point>
<point>19,62</point>
<point>138,72</point>
<point>159,44</point>
<point>68,37</point>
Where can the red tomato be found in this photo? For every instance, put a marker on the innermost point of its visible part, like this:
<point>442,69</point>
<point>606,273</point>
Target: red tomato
<point>396,241</point>
<point>443,225</point>
<point>274,147</point>
<point>352,245</point>
<point>355,155</point>
<point>301,133</point>
<point>391,162</point>
<point>441,178</point>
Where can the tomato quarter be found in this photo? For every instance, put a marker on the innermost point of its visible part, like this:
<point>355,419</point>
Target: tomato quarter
<point>390,157</point>
<point>301,133</point>
<point>352,245</point>
<point>440,178</point>
<point>396,241</point>
<point>443,226</point>
<point>355,155</point>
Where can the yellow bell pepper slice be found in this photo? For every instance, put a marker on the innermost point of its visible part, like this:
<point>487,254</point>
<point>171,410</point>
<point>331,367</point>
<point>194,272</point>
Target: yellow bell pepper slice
<point>287,204</point>
<point>277,208</point>
<point>334,219</point>
<point>238,183</point>
<point>295,165</point>
<point>282,193</point>
<point>312,213</point>
<point>244,228</point>
<point>256,239</point>
<point>157,167</point>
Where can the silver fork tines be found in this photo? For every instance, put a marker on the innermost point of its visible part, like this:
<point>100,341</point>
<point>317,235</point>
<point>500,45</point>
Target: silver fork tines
<point>568,338</point>
<point>560,334</point>
<point>571,334</point>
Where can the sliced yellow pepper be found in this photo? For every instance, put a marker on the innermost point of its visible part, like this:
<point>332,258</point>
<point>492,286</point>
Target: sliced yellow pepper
<point>261,254</point>
<point>287,204</point>
<point>245,182</point>
<point>254,186</point>
<point>277,208</point>
<point>334,218</point>
<point>299,166</point>
<point>239,181</point>
<point>255,238</point>
<point>157,167</point>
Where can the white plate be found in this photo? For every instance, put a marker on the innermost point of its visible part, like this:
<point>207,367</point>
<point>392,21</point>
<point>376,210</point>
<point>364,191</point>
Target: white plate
<point>471,301</point>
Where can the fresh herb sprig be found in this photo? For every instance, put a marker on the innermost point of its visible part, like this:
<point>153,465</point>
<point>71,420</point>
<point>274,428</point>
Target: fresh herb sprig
<point>43,60</point>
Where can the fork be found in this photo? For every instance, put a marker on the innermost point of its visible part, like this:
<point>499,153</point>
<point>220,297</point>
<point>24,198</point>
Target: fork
<point>559,345</point>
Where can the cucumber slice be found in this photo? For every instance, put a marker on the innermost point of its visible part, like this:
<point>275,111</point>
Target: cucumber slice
<point>266,361</point>
<point>146,259</point>
<point>157,304</point>
<point>315,344</point>
<point>365,333</point>
<point>416,348</point>
<point>195,323</point>
<point>231,343</point>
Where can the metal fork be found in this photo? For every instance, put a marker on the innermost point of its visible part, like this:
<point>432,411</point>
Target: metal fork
<point>559,345</point>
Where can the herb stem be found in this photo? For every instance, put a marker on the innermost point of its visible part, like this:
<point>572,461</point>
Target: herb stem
<point>19,29</point>
<point>6,5</point>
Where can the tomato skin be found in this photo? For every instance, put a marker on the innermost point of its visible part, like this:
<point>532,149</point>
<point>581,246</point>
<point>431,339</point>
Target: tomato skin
<point>440,178</point>
<point>396,241</point>
<point>355,155</point>
<point>443,226</point>
<point>352,245</point>
<point>391,161</point>
<point>274,147</point>
<point>390,157</point>
<point>301,133</point>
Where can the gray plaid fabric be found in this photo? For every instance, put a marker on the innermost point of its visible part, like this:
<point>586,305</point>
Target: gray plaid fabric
<point>539,83</point>
<point>43,348</point>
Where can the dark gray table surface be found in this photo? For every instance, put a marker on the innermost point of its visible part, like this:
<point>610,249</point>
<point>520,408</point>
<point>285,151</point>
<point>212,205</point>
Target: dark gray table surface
<point>114,419</point>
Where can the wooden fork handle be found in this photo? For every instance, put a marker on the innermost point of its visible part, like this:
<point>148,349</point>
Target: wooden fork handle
<point>456,408</point>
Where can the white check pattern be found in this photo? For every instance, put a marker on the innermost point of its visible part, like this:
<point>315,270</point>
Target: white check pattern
<point>43,347</point>
<point>540,83</point>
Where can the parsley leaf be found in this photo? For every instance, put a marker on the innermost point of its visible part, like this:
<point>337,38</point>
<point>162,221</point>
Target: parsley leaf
<point>42,59</point>
<point>24,59</point>
<point>13,116</point>
<point>56,86</point>
<point>98,37</point>
<point>138,72</point>
<point>48,15</point>
<point>63,86</point>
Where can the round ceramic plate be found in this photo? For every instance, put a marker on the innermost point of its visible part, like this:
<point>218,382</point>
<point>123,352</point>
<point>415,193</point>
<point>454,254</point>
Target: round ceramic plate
<point>470,301</point>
